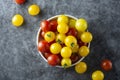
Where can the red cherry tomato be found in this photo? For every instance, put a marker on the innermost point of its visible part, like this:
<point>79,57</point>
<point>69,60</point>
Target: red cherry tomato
<point>53,25</point>
<point>43,46</point>
<point>45,26</point>
<point>20,1</point>
<point>72,31</point>
<point>74,57</point>
<point>80,43</point>
<point>46,55</point>
<point>106,65</point>
<point>60,57</point>
<point>53,60</point>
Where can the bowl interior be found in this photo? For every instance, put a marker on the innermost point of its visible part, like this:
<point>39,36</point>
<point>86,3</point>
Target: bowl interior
<point>39,38</point>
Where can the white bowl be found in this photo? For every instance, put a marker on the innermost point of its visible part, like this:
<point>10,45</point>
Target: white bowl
<point>38,34</point>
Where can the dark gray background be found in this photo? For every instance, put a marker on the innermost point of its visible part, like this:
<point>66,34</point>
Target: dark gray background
<point>19,59</point>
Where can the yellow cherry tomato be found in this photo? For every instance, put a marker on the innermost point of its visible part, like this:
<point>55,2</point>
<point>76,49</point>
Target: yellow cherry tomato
<point>17,20</point>
<point>98,75</point>
<point>86,37</point>
<point>75,48</point>
<point>70,41</point>
<point>66,62</point>
<point>60,38</point>
<point>62,28</point>
<point>72,23</point>
<point>66,52</point>
<point>34,10</point>
<point>62,19</point>
<point>55,48</point>
<point>81,25</point>
<point>49,36</point>
<point>81,67</point>
<point>84,51</point>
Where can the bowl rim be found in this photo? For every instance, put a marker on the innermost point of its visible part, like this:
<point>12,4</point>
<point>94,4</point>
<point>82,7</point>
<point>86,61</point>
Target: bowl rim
<point>37,40</point>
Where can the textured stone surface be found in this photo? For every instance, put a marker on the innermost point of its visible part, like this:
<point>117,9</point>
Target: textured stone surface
<point>19,59</point>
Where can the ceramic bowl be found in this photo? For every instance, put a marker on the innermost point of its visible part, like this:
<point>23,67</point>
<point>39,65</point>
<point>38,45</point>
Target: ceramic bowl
<point>38,39</point>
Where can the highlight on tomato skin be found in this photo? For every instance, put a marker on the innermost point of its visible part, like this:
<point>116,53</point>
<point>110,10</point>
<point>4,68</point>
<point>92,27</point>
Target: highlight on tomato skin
<point>42,34</point>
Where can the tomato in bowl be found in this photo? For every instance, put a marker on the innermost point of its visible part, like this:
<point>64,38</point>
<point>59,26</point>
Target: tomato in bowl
<point>62,42</point>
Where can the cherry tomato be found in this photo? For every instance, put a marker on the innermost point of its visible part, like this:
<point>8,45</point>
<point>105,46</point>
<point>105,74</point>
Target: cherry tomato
<point>106,65</point>
<point>81,67</point>
<point>49,36</point>
<point>72,31</point>
<point>17,20</point>
<point>47,54</point>
<point>55,48</point>
<point>60,38</point>
<point>20,1</point>
<point>53,60</point>
<point>62,28</point>
<point>72,23</point>
<point>86,37</point>
<point>62,19</point>
<point>66,62</point>
<point>53,25</point>
<point>70,41</point>
<point>80,43</point>
<point>74,57</point>
<point>81,25</point>
<point>84,51</point>
<point>43,46</point>
<point>60,57</point>
<point>45,25</point>
<point>34,10</point>
<point>66,52</point>
<point>97,75</point>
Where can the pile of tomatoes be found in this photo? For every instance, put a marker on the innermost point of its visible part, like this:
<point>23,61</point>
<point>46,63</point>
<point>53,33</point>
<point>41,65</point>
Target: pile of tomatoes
<point>64,40</point>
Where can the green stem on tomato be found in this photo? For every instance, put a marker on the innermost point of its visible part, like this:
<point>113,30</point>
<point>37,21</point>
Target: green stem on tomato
<point>48,35</point>
<point>72,44</point>
<point>59,41</point>
<point>65,65</point>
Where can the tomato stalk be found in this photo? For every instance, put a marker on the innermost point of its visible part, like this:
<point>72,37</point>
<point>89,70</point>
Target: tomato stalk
<point>72,44</point>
